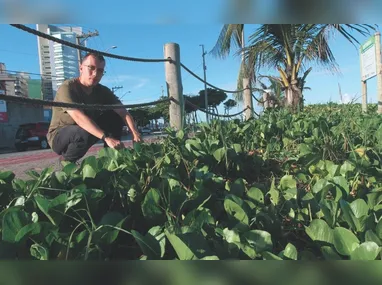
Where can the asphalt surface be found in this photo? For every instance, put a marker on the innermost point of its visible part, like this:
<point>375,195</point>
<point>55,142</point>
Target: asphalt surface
<point>21,162</point>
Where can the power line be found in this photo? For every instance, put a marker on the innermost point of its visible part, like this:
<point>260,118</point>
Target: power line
<point>32,73</point>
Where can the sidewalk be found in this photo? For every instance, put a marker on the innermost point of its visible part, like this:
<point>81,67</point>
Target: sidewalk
<point>40,160</point>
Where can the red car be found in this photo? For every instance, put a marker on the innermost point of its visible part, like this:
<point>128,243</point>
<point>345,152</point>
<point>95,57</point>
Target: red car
<point>32,135</point>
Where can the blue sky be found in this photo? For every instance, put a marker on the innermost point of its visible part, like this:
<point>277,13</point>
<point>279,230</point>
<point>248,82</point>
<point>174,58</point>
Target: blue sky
<point>145,80</point>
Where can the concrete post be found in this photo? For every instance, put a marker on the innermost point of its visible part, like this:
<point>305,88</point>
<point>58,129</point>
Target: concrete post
<point>379,70</point>
<point>247,98</point>
<point>364,96</point>
<point>174,85</point>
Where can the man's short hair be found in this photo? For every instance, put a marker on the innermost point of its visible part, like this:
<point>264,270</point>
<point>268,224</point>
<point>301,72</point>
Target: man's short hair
<point>96,55</point>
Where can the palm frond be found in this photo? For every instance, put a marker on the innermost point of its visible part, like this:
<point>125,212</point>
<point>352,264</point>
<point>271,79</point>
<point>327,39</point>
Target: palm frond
<point>230,35</point>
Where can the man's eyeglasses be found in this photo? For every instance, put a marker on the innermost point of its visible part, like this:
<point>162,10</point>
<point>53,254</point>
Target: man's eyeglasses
<point>92,68</point>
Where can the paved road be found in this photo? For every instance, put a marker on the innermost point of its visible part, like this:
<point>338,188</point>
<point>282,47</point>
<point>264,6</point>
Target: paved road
<point>21,162</point>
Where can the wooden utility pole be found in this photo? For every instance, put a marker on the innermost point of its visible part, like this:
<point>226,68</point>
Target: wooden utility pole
<point>84,37</point>
<point>174,85</point>
<point>205,85</point>
<point>114,88</point>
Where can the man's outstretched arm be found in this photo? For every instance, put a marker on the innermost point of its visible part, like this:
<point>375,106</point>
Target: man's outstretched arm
<point>91,127</point>
<point>129,121</point>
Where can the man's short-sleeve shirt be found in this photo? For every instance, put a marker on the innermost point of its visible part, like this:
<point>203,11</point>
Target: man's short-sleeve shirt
<point>71,92</point>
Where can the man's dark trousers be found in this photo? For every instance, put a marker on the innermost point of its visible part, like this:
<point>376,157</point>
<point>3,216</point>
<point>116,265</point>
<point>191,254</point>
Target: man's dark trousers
<point>73,142</point>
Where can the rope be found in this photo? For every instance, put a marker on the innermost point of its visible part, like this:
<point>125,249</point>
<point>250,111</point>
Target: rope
<point>210,113</point>
<point>105,107</point>
<point>54,39</point>
<point>39,102</point>
<point>217,88</point>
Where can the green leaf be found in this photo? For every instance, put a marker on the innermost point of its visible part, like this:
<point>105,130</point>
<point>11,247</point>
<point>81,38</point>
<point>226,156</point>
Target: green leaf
<point>219,154</point>
<point>58,179</point>
<point>35,229</point>
<point>53,209</point>
<point>212,257</point>
<point>366,251</point>
<point>256,195</point>
<point>110,234</point>
<point>321,185</point>
<point>260,240</point>
<point>70,168</point>
<point>270,256</point>
<point>188,246</point>
<point>345,241</point>
<point>88,172</point>
<point>150,245</point>
<point>160,236</point>
<point>378,228</point>
<point>319,230</point>
<point>40,252</point>
<point>287,182</point>
<point>290,252</point>
<point>359,208</point>
<point>13,222</point>
<point>329,253</point>
<point>109,152</point>
<point>348,214</point>
<point>151,205</point>
<point>305,149</point>
<point>371,236</point>
<point>374,198</point>
<point>231,236</point>
<point>332,169</point>
<point>7,176</point>
<point>236,212</point>
<point>248,250</point>
<point>238,187</point>
<point>346,167</point>
<point>329,208</point>
<point>197,218</point>
<point>237,148</point>
<point>274,193</point>
<point>341,184</point>
<point>180,134</point>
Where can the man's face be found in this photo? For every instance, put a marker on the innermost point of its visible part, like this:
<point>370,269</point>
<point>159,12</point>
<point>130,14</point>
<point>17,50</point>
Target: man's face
<point>91,71</point>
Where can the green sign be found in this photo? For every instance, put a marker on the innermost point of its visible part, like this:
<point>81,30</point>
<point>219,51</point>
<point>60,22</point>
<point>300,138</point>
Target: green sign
<point>368,44</point>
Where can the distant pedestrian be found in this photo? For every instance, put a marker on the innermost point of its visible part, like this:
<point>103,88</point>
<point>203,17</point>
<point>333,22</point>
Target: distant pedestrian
<point>73,131</point>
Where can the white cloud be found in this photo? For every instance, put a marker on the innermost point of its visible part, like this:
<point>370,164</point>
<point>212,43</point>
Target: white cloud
<point>347,98</point>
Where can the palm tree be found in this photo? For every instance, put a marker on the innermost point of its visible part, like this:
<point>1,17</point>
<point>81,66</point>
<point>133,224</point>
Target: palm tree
<point>274,93</point>
<point>290,49</point>
<point>232,35</point>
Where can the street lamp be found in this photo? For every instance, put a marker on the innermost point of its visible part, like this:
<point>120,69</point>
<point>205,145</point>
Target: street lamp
<point>112,47</point>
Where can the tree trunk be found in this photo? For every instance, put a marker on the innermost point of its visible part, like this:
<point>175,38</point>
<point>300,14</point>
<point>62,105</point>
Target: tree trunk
<point>265,99</point>
<point>289,97</point>
<point>297,97</point>
<point>293,97</point>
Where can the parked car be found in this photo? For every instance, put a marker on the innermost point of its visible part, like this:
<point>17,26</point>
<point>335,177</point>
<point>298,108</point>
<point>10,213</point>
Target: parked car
<point>145,131</point>
<point>32,135</point>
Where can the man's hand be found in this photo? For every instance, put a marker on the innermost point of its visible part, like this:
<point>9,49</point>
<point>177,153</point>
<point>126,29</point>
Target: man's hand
<point>137,137</point>
<point>113,143</point>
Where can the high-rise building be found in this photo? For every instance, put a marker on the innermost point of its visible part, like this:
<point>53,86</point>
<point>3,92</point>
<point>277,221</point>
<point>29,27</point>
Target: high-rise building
<point>57,62</point>
<point>15,84</point>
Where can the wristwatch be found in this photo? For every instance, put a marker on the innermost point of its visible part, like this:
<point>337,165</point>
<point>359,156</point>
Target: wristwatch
<point>104,136</point>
